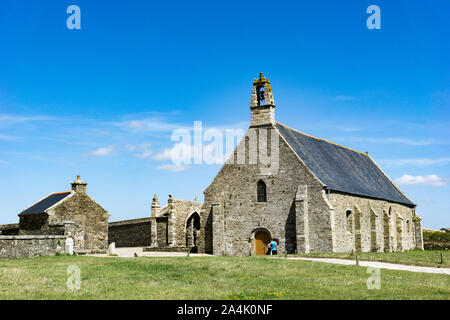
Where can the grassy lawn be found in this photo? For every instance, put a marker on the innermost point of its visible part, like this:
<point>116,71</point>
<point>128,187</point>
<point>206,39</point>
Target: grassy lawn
<point>426,258</point>
<point>208,278</point>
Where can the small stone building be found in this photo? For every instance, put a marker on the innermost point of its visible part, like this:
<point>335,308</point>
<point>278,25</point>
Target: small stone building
<point>310,194</point>
<point>71,213</point>
<point>174,227</point>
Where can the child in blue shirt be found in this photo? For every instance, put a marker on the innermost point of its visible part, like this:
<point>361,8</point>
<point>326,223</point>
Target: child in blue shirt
<point>273,246</point>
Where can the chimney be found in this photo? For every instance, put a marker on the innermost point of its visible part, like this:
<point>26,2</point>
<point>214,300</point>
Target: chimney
<point>262,105</point>
<point>155,205</point>
<point>79,185</point>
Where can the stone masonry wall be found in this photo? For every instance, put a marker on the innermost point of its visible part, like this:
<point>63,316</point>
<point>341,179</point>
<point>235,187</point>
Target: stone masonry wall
<point>30,246</point>
<point>33,224</point>
<point>178,214</point>
<point>231,214</point>
<point>130,233</point>
<point>91,222</point>
<point>375,225</point>
<point>11,229</point>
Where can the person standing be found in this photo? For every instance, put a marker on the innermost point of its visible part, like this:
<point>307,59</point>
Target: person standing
<point>273,245</point>
<point>269,249</point>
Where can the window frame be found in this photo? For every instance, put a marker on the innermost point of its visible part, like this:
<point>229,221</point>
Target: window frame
<point>258,183</point>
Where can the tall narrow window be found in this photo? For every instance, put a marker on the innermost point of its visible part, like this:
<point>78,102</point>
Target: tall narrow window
<point>261,191</point>
<point>348,221</point>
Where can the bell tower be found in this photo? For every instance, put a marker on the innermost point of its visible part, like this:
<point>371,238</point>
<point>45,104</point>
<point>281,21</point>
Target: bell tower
<point>262,105</point>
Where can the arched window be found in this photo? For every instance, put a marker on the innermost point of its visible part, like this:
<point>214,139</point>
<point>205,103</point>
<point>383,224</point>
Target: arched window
<point>261,191</point>
<point>348,221</point>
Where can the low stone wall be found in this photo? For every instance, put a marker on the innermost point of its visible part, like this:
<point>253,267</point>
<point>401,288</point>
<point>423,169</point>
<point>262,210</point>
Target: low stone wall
<point>31,246</point>
<point>9,229</point>
<point>169,249</point>
<point>436,240</point>
<point>130,233</point>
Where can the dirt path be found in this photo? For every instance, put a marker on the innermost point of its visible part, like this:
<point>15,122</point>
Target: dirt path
<point>380,265</point>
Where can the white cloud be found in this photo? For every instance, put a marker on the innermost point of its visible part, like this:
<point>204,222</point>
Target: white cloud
<point>8,119</point>
<point>179,152</point>
<point>149,125</point>
<point>429,180</point>
<point>172,167</point>
<point>103,151</point>
<point>143,151</point>
<point>130,147</point>
<point>415,161</point>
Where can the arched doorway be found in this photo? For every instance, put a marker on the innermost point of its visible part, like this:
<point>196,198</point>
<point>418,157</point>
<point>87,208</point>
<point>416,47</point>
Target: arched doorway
<point>192,232</point>
<point>262,239</point>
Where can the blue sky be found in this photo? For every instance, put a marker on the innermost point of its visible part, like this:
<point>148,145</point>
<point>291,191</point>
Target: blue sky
<point>103,101</point>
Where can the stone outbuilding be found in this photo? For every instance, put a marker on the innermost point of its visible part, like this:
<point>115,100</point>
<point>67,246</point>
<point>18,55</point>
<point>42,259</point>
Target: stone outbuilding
<point>310,194</point>
<point>173,227</point>
<point>70,213</point>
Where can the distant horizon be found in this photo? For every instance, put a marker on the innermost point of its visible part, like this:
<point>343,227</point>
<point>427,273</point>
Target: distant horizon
<point>104,101</point>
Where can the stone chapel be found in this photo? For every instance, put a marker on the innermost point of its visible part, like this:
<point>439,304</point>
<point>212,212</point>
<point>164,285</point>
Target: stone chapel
<point>310,194</point>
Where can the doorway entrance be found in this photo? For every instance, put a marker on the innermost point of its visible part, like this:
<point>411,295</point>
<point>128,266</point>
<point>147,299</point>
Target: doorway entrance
<point>262,239</point>
<point>192,232</point>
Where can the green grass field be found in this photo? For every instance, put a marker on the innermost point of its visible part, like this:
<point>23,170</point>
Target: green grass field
<point>208,278</point>
<point>425,258</point>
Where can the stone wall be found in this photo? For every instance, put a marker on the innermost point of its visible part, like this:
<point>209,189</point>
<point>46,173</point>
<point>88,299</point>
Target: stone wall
<point>130,233</point>
<point>179,212</point>
<point>231,214</point>
<point>162,232</point>
<point>31,246</point>
<point>90,222</point>
<point>299,211</point>
<point>11,229</point>
<point>373,225</point>
<point>33,224</point>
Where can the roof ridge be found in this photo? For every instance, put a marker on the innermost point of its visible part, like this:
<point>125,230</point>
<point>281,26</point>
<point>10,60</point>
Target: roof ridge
<point>61,192</point>
<point>337,144</point>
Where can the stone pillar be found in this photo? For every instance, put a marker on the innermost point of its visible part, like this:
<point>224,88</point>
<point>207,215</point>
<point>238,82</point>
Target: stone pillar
<point>153,225</point>
<point>170,221</point>
<point>154,232</point>
<point>387,232</point>
<point>218,230</point>
<point>373,230</point>
<point>399,225</point>
<point>155,205</point>
<point>302,220</point>
<point>358,214</point>
<point>418,233</point>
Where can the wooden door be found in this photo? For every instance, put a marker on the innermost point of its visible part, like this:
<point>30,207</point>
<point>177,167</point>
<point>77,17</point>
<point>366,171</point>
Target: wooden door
<point>262,239</point>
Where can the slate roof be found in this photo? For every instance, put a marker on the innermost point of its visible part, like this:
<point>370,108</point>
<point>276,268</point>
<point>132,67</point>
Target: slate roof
<point>46,203</point>
<point>342,169</point>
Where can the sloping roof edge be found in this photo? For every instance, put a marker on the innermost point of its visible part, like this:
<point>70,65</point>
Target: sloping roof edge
<point>338,186</point>
<point>393,183</point>
<point>53,205</point>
